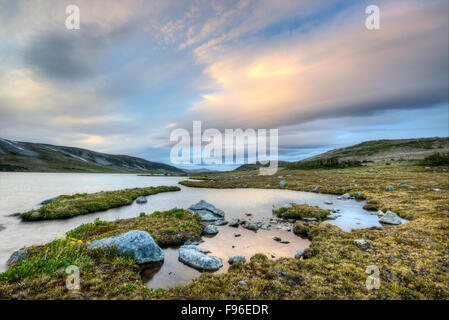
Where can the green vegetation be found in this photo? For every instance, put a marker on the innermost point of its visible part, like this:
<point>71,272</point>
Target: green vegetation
<point>104,274</point>
<point>78,204</point>
<point>168,228</point>
<point>327,163</point>
<point>300,211</point>
<point>369,148</point>
<point>436,159</point>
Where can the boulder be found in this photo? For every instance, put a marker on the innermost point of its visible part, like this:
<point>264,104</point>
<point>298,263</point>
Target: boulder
<point>137,243</point>
<point>314,189</point>
<point>220,222</point>
<point>210,229</point>
<point>141,199</point>
<point>282,183</point>
<point>16,256</point>
<point>207,211</point>
<point>380,213</point>
<point>277,239</point>
<point>196,257</point>
<point>250,225</point>
<point>309,219</point>
<point>345,196</point>
<point>361,243</point>
<point>234,223</point>
<point>390,218</point>
<point>236,258</point>
<point>389,188</point>
<point>36,215</point>
<point>48,201</point>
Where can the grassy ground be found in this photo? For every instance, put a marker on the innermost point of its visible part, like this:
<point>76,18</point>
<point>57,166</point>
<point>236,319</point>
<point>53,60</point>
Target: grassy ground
<point>412,258</point>
<point>104,274</point>
<point>70,206</point>
<point>299,211</point>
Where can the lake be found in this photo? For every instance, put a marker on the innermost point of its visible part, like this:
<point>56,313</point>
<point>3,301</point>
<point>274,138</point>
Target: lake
<point>21,192</point>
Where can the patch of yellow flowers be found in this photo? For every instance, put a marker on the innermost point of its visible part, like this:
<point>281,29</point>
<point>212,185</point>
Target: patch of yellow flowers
<point>74,241</point>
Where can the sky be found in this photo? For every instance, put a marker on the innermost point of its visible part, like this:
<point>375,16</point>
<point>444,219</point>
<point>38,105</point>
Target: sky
<point>137,70</point>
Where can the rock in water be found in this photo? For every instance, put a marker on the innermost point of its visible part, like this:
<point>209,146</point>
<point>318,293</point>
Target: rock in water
<point>210,229</point>
<point>235,223</point>
<point>16,256</point>
<point>48,201</point>
<point>299,254</point>
<point>345,196</point>
<point>390,218</point>
<point>250,225</point>
<point>196,257</point>
<point>141,199</point>
<point>236,258</point>
<point>207,211</point>
<point>138,243</point>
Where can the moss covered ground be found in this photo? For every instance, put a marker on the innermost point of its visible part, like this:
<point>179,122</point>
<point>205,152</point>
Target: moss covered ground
<point>68,206</point>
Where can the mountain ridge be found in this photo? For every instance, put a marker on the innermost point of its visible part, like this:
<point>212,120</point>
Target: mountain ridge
<point>41,157</point>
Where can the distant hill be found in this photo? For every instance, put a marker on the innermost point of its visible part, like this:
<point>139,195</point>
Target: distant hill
<point>37,157</point>
<point>257,165</point>
<point>200,170</point>
<point>377,151</point>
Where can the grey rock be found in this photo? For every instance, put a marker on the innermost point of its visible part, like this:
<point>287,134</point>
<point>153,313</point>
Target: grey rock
<point>299,254</point>
<point>207,211</point>
<point>358,194</point>
<point>210,229</point>
<point>245,186</point>
<point>250,225</point>
<point>236,258</point>
<point>277,239</point>
<point>400,185</point>
<point>328,202</point>
<point>220,222</point>
<point>265,226</point>
<point>16,257</point>
<point>234,223</point>
<point>237,235</point>
<point>314,189</point>
<point>380,213</point>
<point>243,282</point>
<point>284,242</point>
<point>361,243</point>
<point>36,215</point>
<point>14,214</point>
<point>48,201</point>
<point>195,247</point>
<point>332,216</point>
<point>309,219</point>
<point>345,196</point>
<point>267,185</point>
<point>141,199</point>
<point>138,243</point>
<point>436,189</point>
<point>390,218</point>
<point>196,257</point>
<point>191,242</point>
<point>282,183</point>
<point>390,188</point>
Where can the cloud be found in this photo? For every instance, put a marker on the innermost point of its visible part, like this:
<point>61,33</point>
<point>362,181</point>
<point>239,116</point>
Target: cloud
<point>339,69</point>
